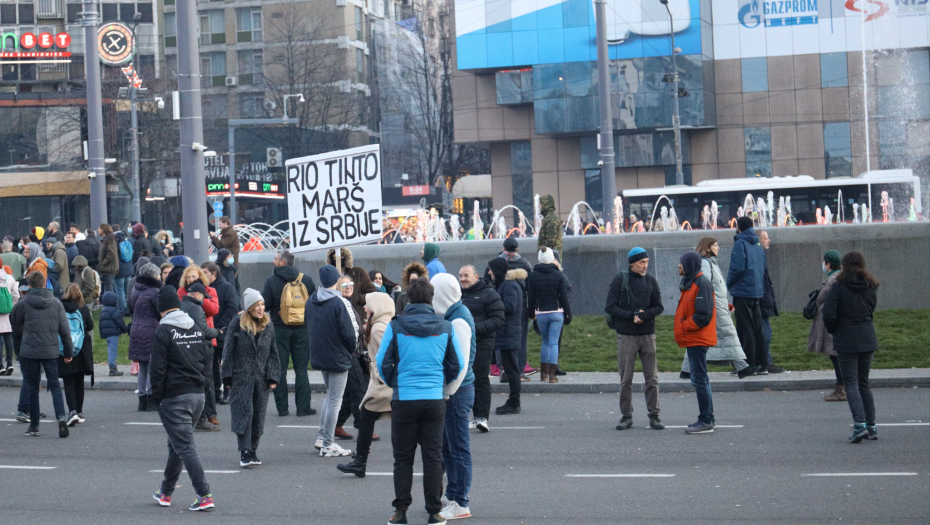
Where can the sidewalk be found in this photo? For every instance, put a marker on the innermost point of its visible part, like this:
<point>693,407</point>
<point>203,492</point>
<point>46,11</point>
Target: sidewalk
<point>602,382</point>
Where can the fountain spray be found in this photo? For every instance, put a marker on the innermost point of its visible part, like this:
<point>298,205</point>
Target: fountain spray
<point>454,225</point>
<point>477,225</point>
<point>618,214</point>
<point>714,212</point>
<point>537,215</point>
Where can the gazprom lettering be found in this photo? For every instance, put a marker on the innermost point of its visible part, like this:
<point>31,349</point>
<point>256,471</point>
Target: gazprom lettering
<point>779,13</point>
<point>790,7</point>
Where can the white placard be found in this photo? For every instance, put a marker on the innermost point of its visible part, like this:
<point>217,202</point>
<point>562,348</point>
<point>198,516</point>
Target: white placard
<point>334,199</point>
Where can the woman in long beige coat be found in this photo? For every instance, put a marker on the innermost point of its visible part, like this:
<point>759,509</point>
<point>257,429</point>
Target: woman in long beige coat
<point>376,404</point>
<point>820,341</point>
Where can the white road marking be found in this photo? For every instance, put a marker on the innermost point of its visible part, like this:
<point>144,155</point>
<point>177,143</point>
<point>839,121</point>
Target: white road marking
<point>517,428</point>
<point>24,467</point>
<point>142,423</point>
<point>902,424</point>
<point>298,426</point>
<point>845,474</point>
<point>619,475</point>
<point>205,472</point>
<point>717,426</point>
<point>40,421</point>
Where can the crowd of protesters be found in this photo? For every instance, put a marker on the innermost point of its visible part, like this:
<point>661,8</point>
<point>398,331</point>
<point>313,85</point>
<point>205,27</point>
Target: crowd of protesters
<point>421,352</point>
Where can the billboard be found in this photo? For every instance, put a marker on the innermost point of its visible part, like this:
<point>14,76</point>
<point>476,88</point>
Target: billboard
<point>753,28</point>
<point>513,33</point>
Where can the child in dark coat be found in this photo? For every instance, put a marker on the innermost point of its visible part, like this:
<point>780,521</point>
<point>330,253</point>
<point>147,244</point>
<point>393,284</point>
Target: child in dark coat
<point>111,327</point>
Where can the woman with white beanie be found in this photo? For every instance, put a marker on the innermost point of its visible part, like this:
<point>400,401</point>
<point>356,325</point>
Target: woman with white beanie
<point>547,302</point>
<point>250,371</point>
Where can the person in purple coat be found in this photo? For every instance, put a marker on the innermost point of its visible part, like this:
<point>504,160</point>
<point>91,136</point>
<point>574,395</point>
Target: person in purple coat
<point>143,304</point>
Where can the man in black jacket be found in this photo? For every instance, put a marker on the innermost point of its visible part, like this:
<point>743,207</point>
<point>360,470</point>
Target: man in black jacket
<point>633,309</point>
<point>89,248</point>
<point>192,305</point>
<point>488,312</point>
<point>180,357</point>
<point>229,308</point>
<point>508,336</point>
<point>767,306</point>
<point>291,340</point>
<point>516,262</point>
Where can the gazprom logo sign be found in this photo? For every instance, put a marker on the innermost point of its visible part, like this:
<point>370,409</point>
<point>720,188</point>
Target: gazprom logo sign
<point>780,13</point>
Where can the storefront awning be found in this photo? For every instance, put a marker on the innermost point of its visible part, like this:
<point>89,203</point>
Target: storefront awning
<point>472,187</point>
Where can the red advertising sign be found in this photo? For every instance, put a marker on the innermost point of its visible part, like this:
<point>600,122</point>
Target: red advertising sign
<point>414,191</point>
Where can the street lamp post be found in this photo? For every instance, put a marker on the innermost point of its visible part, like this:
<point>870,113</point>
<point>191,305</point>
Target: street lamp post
<point>676,117</point>
<point>606,146</point>
<point>98,181</point>
<point>134,117</point>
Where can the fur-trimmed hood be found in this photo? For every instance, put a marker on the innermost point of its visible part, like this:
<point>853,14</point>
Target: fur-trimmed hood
<point>414,267</point>
<point>346,255</point>
<point>517,274</point>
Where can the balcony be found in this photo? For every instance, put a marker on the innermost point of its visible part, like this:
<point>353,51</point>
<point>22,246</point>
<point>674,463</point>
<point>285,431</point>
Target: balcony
<point>50,9</point>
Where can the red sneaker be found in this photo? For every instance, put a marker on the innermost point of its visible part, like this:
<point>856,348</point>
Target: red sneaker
<point>162,499</point>
<point>495,371</point>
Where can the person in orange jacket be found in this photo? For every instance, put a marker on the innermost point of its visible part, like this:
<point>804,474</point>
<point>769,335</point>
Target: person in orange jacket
<point>696,330</point>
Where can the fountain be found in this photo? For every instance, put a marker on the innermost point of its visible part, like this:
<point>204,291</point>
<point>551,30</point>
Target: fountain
<point>618,215</point>
<point>705,217</point>
<point>855,208</point>
<point>521,226</point>
<point>476,224</point>
<point>668,220</point>
<point>761,213</point>
<point>819,216</point>
<point>636,225</point>
<point>782,215</point>
<point>574,217</point>
<point>770,208</point>
<point>499,216</point>
<point>714,212</point>
<point>789,217</point>
<point>827,215</point>
<point>454,225</point>
<point>748,205</point>
<point>656,207</point>
<point>886,207</point>
<point>537,214</point>
<point>840,209</point>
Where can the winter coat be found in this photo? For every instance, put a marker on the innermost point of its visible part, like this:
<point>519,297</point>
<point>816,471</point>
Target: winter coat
<point>330,329</point>
<point>111,320</point>
<point>210,305</point>
<point>249,361</point>
<point>514,261</point>
<point>767,303</point>
<point>420,354</point>
<point>274,286</point>
<point>378,396</point>
<point>10,284</point>
<point>174,276</point>
<point>696,313</point>
<point>747,266</point>
<point>137,266</point>
<point>643,295</point>
<point>819,341</point>
<point>61,265</point>
<point>86,280</point>
<point>230,273</point>
<point>847,314</point>
<point>142,247</point>
<point>108,256</point>
<point>487,310</point>
<point>143,303</point>
<point>16,262</point>
<point>90,249</point>
<point>83,363</point>
<point>71,251</point>
<point>179,357</point>
<point>38,321</point>
<point>431,258</point>
<point>194,309</point>
<point>464,325</point>
<point>510,335</point>
<point>727,347</point>
<point>125,267</point>
<point>229,308</point>
<point>228,239</point>
<point>547,291</point>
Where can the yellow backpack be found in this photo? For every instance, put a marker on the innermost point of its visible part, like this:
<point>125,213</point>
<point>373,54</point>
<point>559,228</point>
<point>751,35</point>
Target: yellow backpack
<point>293,300</point>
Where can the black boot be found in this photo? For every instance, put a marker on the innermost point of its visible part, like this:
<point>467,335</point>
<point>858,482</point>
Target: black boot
<point>150,405</point>
<point>143,403</point>
<point>357,466</point>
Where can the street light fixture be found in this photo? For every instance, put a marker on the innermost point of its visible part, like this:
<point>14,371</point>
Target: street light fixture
<point>676,117</point>
<point>300,98</point>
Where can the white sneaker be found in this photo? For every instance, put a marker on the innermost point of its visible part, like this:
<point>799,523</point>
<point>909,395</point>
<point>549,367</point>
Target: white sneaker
<point>319,444</point>
<point>482,425</point>
<point>454,512</point>
<point>444,501</point>
<point>334,451</point>
<point>473,424</point>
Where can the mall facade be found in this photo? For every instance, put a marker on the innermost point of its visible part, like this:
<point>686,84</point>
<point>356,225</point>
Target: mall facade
<point>768,89</point>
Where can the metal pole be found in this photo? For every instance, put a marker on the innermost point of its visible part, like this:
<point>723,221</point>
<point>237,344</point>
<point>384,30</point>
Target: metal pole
<point>98,181</point>
<point>232,174</point>
<point>193,189</point>
<point>676,118</point>
<point>136,198</point>
<point>608,173</point>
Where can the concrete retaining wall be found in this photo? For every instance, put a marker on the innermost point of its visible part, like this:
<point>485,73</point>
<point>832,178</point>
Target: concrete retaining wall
<point>897,254</point>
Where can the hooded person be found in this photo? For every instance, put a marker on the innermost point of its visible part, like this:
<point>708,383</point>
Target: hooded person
<point>86,279</point>
<point>431,258</point>
<point>745,282</point>
<point>509,336</point>
<point>180,264</point>
<point>59,254</point>
<point>135,272</point>
<point>696,330</point>
<point>548,303</point>
<point>516,261</point>
<point>143,302</point>
<point>227,263</point>
<point>36,260</point>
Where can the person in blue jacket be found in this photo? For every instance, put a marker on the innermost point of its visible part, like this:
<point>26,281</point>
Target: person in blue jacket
<point>112,326</point>
<point>419,355</point>
<point>430,254</point>
<point>746,284</point>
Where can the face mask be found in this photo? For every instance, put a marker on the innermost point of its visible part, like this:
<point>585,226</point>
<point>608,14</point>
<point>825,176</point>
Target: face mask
<point>230,261</point>
<point>824,268</point>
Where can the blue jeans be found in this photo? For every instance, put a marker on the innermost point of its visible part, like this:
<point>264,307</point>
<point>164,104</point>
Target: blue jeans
<point>767,333</point>
<point>144,380</point>
<point>335,387</point>
<point>550,328</point>
<point>697,355</point>
<point>112,346</point>
<point>121,283</point>
<point>31,370</point>
<point>7,340</point>
<point>456,450</point>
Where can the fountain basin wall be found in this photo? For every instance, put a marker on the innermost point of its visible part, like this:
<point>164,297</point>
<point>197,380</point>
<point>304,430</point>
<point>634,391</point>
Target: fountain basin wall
<point>897,254</point>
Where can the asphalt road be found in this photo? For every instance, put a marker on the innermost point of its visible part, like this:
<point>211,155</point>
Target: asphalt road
<point>560,461</point>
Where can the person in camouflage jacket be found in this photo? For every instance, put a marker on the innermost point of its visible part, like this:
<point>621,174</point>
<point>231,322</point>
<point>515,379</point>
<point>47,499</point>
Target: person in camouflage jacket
<point>550,232</point>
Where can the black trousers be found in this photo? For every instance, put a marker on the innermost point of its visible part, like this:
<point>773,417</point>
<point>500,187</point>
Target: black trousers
<point>418,423</point>
<point>74,392</point>
<point>356,385</point>
<point>209,406</point>
<point>366,429</point>
<point>512,369</point>
<point>482,370</point>
<point>836,370</point>
<point>217,379</point>
<point>749,330</point>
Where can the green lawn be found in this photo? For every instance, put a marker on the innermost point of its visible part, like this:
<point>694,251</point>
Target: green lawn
<point>589,346</point>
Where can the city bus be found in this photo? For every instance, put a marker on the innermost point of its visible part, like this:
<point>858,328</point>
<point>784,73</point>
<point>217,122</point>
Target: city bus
<point>899,188</point>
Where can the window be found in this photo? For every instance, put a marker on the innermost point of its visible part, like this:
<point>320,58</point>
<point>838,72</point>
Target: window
<point>359,33</point>
<point>360,63</point>
<point>755,74</point>
<point>213,27</point>
<point>171,30</point>
<point>252,105</point>
<point>214,65</point>
<point>250,67</point>
<point>27,14</point>
<point>514,86</point>
<point>146,11</point>
<point>110,12</point>
<point>249,24</point>
<point>74,13</point>
<point>833,72</point>
<point>593,190</point>
<point>521,164</point>
<point>8,14</point>
<point>837,151</point>
<point>758,151</point>
<point>126,13</point>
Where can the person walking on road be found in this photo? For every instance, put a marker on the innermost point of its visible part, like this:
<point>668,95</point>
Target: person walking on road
<point>430,254</point>
<point>547,303</point>
<point>419,356</point>
<point>72,372</point>
<point>333,334</point>
<point>746,282</point>
<point>508,337</point>
<point>847,314</point>
<point>819,340</point>
<point>487,310</point>
<point>41,332</point>
<point>767,306</point>
<point>250,373</point>
<point>9,296</point>
<point>143,303</point>
<point>696,331</point>
<point>633,303</point>
<point>180,357</point>
<point>285,294</point>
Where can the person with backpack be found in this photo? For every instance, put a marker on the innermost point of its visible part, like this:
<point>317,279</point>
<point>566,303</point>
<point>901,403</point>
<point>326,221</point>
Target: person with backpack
<point>819,341</point>
<point>38,322</point>
<point>72,373</point>
<point>87,280</point>
<point>9,296</point>
<point>633,303</point>
<point>112,326</point>
<point>286,294</point>
<point>121,282</point>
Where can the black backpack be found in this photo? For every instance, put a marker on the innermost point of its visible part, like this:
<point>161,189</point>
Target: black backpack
<point>624,290</point>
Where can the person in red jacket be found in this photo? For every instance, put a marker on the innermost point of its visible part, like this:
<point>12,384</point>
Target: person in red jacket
<point>696,330</point>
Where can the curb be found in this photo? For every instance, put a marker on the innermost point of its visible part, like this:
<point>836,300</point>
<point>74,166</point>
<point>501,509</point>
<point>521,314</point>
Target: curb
<point>567,387</point>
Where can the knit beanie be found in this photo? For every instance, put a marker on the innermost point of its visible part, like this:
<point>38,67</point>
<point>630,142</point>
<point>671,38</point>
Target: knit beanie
<point>545,256</point>
<point>511,244</point>
<point>168,299</point>
<point>329,275</point>
<point>249,297</point>
<point>637,254</point>
<point>179,261</point>
<point>833,257</point>
<point>743,224</point>
<point>138,229</point>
